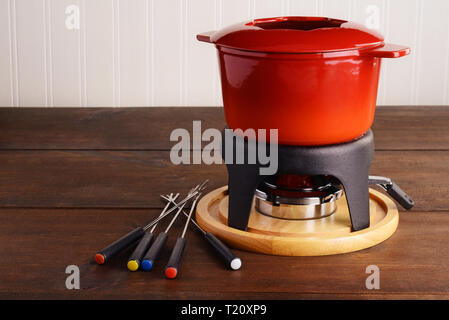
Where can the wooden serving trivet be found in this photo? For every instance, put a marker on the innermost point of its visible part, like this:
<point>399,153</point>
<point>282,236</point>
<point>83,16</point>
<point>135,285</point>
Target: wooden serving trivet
<point>325,236</point>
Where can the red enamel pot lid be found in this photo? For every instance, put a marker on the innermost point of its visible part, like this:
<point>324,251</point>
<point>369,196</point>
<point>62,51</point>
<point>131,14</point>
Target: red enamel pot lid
<point>295,35</point>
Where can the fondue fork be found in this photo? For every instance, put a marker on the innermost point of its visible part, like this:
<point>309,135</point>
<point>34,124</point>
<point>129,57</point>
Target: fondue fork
<point>232,261</point>
<point>104,255</point>
<point>134,260</point>
<point>171,270</point>
<point>154,251</point>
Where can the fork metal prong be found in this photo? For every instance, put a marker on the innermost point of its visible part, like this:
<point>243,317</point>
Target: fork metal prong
<point>165,208</point>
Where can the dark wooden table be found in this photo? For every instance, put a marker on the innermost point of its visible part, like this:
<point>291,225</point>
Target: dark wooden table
<point>74,179</point>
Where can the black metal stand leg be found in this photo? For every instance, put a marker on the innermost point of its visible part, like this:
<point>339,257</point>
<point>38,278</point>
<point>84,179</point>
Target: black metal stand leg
<point>357,196</point>
<point>243,181</point>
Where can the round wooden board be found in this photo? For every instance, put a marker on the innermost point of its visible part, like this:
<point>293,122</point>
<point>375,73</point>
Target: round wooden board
<point>325,236</point>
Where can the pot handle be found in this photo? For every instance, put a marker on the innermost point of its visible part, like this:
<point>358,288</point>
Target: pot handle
<point>205,36</point>
<point>387,51</point>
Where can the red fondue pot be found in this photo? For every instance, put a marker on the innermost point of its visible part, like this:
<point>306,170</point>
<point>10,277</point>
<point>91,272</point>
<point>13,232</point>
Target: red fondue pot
<point>314,79</point>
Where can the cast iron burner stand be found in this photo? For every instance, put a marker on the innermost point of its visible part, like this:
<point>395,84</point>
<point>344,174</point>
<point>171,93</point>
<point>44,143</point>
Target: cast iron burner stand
<point>348,162</point>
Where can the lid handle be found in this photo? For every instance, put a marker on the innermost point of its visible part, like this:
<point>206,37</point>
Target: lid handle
<point>387,51</point>
<point>205,36</point>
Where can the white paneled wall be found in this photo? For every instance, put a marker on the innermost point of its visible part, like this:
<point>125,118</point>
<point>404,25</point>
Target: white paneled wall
<point>144,52</point>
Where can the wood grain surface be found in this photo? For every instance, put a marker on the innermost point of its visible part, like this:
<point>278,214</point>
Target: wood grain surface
<point>38,244</point>
<point>135,179</point>
<point>74,179</point>
<point>395,128</point>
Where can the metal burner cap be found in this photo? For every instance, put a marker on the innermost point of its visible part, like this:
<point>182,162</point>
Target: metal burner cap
<point>298,204</point>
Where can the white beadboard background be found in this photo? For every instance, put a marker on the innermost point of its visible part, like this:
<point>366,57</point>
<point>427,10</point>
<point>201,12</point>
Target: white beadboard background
<point>144,52</point>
